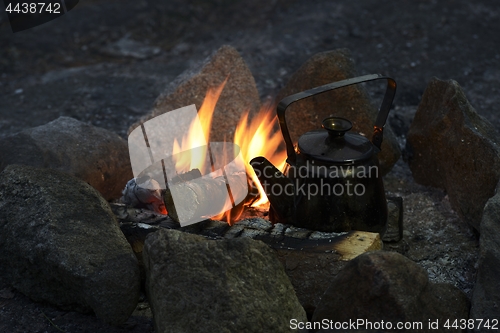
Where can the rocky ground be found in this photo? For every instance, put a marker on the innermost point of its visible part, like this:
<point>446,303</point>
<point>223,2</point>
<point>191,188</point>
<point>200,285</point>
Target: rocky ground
<point>71,66</point>
<point>105,62</point>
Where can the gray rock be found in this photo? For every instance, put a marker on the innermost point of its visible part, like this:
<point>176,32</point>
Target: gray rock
<point>351,103</point>
<point>387,286</point>
<point>310,273</point>
<point>61,244</point>
<point>486,294</point>
<point>93,154</point>
<point>452,147</point>
<point>236,285</point>
<point>240,92</point>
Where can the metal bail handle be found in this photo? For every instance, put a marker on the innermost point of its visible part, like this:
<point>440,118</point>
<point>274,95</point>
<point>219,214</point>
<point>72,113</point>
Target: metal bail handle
<point>378,129</point>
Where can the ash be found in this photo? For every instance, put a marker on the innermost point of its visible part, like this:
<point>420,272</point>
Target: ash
<point>434,236</point>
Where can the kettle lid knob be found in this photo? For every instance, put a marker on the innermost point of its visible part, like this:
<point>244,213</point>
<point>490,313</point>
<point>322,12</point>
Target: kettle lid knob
<point>336,126</point>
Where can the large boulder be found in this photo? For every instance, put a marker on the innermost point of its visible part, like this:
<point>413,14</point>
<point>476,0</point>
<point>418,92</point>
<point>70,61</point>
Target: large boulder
<point>486,295</point>
<point>93,154</point>
<point>452,147</point>
<point>387,286</point>
<point>62,244</point>
<point>240,93</point>
<point>351,102</point>
<point>232,285</point>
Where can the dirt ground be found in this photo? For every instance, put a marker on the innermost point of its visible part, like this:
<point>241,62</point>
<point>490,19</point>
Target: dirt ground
<point>65,67</point>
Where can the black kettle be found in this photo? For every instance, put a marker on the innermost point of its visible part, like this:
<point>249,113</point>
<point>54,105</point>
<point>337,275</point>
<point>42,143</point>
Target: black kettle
<point>331,180</point>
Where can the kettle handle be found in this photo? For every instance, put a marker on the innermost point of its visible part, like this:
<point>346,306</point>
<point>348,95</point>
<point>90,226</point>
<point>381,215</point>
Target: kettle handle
<point>378,129</point>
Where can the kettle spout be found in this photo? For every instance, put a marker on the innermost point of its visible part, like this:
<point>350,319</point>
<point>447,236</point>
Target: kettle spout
<point>279,189</point>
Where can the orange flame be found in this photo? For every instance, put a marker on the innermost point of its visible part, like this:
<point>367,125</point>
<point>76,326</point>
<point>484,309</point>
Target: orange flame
<point>186,158</point>
<point>258,137</point>
<point>255,137</point>
<point>233,214</point>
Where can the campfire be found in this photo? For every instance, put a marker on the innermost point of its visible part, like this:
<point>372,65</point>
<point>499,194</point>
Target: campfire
<point>259,136</point>
<point>192,159</point>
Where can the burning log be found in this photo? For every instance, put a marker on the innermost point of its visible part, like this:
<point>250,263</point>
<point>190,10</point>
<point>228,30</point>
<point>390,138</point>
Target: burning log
<point>144,193</point>
<point>191,197</point>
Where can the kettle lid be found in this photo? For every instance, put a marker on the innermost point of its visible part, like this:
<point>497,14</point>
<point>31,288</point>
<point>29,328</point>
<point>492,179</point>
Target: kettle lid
<point>333,144</point>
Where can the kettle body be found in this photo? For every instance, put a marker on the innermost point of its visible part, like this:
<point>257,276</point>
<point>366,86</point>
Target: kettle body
<point>337,198</point>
